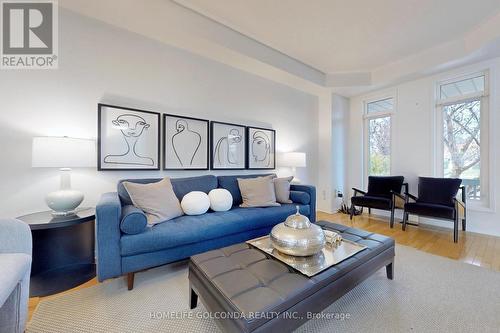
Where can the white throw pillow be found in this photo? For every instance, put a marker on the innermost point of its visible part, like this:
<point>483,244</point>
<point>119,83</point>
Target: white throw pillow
<point>195,203</point>
<point>221,200</point>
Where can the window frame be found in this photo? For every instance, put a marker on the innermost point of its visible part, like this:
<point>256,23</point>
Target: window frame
<point>366,128</point>
<point>485,203</point>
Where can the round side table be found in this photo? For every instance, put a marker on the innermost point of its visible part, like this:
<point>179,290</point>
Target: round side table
<point>63,250</point>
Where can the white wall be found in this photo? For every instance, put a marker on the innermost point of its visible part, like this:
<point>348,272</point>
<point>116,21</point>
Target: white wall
<point>413,143</point>
<point>102,63</point>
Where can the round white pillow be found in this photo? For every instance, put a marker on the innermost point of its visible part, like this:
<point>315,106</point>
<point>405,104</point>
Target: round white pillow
<point>221,200</point>
<point>195,203</point>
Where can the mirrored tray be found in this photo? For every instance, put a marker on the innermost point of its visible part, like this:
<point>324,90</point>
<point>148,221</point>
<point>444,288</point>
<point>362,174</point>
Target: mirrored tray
<point>312,265</point>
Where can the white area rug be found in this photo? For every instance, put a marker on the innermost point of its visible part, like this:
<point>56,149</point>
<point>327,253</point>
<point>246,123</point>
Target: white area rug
<point>429,294</point>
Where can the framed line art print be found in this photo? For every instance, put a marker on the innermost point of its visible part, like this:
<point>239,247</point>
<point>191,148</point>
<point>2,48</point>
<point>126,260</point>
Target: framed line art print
<point>185,143</point>
<point>128,139</point>
<point>227,146</point>
<point>261,148</point>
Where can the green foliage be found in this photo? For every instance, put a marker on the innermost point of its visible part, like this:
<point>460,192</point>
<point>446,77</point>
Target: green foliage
<point>380,165</point>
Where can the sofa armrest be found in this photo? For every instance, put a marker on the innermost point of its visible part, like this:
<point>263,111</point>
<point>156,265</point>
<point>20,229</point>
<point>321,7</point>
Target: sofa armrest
<point>311,190</point>
<point>300,197</point>
<point>108,234</point>
<point>15,237</point>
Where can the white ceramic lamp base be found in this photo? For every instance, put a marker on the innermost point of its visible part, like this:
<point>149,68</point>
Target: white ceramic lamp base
<point>66,200</point>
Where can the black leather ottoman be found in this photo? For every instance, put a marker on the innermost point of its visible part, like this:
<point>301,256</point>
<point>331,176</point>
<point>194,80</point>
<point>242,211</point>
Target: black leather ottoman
<point>246,291</point>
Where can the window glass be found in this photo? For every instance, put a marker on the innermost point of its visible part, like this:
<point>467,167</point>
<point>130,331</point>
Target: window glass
<point>379,146</point>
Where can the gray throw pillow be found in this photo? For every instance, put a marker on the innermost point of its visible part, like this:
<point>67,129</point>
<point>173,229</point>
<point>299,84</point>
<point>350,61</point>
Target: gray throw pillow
<point>257,192</point>
<point>282,189</point>
<point>157,200</point>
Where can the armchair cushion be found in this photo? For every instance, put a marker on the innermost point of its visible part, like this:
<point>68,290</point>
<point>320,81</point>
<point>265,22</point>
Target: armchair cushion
<point>430,210</point>
<point>14,268</point>
<point>439,191</point>
<point>382,186</point>
<point>372,202</point>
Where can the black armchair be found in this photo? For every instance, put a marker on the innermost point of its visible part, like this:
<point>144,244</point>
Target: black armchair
<point>383,193</point>
<point>437,199</point>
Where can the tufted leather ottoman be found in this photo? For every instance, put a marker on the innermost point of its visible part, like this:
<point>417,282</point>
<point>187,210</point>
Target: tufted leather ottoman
<point>247,291</point>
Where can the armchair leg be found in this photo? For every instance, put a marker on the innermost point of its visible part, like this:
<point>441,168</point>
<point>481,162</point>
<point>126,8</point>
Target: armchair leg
<point>405,219</point>
<point>130,280</point>
<point>369,210</point>
<point>352,211</point>
<point>463,224</point>
<point>455,230</point>
<point>392,218</point>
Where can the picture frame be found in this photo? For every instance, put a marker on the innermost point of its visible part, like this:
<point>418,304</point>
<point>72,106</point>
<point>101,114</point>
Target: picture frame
<point>228,147</point>
<point>185,143</point>
<point>261,148</point>
<point>127,138</point>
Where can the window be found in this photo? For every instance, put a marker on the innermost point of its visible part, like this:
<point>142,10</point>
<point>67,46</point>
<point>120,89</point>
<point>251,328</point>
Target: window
<point>462,129</point>
<point>378,134</point>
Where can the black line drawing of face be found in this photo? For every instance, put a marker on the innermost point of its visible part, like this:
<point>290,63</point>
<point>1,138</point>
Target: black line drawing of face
<point>261,148</point>
<point>132,128</point>
<point>226,149</point>
<point>130,125</point>
<point>185,142</point>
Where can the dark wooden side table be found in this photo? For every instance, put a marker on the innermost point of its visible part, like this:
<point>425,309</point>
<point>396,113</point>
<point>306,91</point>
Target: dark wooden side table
<point>63,250</point>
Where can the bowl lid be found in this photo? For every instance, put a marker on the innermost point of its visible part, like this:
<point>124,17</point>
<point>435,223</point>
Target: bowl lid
<point>297,221</point>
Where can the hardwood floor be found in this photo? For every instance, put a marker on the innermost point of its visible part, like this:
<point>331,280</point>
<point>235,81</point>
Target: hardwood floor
<point>472,248</point>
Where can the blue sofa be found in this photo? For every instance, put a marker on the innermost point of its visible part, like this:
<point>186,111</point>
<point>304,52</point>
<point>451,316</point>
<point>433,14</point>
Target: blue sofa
<point>119,253</point>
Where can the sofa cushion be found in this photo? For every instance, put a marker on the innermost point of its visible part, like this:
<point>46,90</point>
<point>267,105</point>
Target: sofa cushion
<point>157,200</point>
<point>282,189</point>
<point>300,197</point>
<point>257,192</point>
<point>181,186</point>
<point>230,183</point>
<point>430,210</point>
<point>133,221</point>
<point>192,229</point>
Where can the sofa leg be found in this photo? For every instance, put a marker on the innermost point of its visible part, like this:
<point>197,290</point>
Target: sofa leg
<point>455,230</point>
<point>369,210</point>
<point>463,224</point>
<point>389,269</point>
<point>130,280</point>
<point>193,299</point>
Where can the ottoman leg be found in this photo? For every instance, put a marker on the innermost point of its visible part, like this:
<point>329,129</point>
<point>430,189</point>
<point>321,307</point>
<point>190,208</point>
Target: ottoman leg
<point>389,269</point>
<point>193,299</point>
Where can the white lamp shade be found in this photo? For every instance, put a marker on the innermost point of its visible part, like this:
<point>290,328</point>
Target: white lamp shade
<point>293,159</point>
<point>63,152</point>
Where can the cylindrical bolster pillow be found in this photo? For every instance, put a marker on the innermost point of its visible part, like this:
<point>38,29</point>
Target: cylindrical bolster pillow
<point>300,197</point>
<point>134,220</point>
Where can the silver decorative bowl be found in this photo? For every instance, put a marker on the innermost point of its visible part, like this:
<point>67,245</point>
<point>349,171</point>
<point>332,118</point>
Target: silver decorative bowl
<point>297,236</point>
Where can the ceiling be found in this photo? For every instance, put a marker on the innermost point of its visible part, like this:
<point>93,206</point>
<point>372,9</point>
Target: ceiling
<point>337,36</point>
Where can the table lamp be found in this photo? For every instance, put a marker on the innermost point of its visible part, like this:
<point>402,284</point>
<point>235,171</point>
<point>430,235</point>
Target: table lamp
<point>294,160</point>
<point>63,153</point>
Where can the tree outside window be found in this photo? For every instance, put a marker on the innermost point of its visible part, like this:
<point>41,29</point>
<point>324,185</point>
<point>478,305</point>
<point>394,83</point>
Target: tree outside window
<point>379,134</point>
<point>462,144</point>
